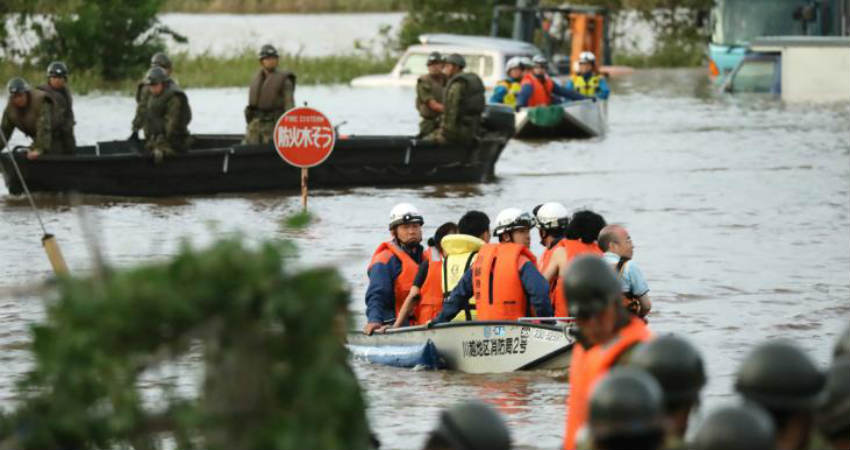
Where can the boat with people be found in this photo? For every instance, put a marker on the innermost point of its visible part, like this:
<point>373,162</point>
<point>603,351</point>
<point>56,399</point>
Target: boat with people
<point>580,119</point>
<point>471,347</point>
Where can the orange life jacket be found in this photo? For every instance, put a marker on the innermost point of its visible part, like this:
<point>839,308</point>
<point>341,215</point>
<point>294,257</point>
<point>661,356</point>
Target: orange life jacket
<point>496,285</point>
<point>431,294</point>
<point>574,248</point>
<point>555,288</point>
<point>588,366</point>
<point>409,267</point>
<point>541,94</point>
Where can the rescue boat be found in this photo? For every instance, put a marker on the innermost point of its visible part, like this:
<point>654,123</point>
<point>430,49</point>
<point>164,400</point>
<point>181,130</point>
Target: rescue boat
<point>580,119</point>
<point>471,347</point>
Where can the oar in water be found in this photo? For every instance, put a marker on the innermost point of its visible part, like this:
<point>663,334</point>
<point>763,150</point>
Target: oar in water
<point>51,247</point>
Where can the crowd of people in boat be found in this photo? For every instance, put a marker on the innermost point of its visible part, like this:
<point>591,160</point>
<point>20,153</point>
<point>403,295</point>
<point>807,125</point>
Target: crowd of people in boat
<point>628,388</point>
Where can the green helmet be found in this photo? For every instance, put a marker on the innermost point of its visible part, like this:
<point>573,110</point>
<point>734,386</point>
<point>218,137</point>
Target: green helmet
<point>17,85</point>
<point>834,414</point>
<point>842,346</point>
<point>433,58</point>
<point>57,69</point>
<point>591,285</point>
<point>626,402</point>
<point>741,427</point>
<point>160,60</point>
<point>456,59</point>
<point>267,51</point>
<point>676,364</point>
<point>780,377</point>
<point>156,75</point>
<point>471,426</point>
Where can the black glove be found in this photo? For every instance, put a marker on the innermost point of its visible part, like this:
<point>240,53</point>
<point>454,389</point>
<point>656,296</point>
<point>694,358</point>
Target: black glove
<point>430,324</point>
<point>134,137</point>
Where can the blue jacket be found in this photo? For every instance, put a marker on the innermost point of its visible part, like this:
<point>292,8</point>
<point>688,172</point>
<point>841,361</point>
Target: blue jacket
<point>557,90</point>
<point>535,286</point>
<point>380,295</point>
<point>602,92</point>
<point>500,91</point>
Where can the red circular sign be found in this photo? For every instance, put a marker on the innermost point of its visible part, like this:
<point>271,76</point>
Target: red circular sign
<point>304,137</point>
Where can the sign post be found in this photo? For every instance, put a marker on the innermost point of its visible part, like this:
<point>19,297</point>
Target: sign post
<point>304,137</point>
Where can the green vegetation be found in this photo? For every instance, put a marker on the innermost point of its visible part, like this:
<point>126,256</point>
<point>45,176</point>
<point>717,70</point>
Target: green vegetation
<point>282,6</point>
<point>275,373</point>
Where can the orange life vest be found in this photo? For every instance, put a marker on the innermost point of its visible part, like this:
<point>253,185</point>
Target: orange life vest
<point>541,94</point>
<point>496,285</point>
<point>588,366</point>
<point>431,294</point>
<point>409,267</point>
<point>555,288</point>
<point>574,248</point>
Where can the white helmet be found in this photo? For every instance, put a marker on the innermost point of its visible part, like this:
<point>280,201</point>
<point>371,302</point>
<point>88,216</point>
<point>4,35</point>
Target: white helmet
<point>513,63</point>
<point>525,62</point>
<point>512,219</point>
<point>404,213</point>
<point>587,57</point>
<point>552,216</point>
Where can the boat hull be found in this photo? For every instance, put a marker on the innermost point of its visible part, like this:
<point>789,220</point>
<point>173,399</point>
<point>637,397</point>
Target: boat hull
<point>582,119</point>
<point>475,347</point>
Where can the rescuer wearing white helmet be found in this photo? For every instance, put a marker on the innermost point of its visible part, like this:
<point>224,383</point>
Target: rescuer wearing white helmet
<point>552,220</point>
<point>393,267</point>
<point>586,80</point>
<point>506,90</point>
<point>504,278</point>
<point>539,89</point>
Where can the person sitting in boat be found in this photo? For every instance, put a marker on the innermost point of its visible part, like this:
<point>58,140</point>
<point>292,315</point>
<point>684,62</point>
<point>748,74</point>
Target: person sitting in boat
<point>464,104</point>
<point>167,118</point>
<point>607,334</point>
<point>272,93</point>
<point>552,220</point>
<point>587,81</point>
<point>393,267</point>
<point>615,241</point>
<point>429,94</point>
<point>504,278</point>
<point>538,88</point>
<point>31,111</point>
<point>506,90</point>
<point>162,61</point>
<point>63,140</point>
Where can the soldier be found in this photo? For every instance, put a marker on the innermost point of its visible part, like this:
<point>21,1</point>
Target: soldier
<point>742,427</point>
<point>464,103</point>
<point>271,94</point>
<point>30,111</point>
<point>678,368</point>
<point>63,110</point>
<point>429,95</point>
<point>142,93</point>
<point>834,414</point>
<point>625,411</point>
<point>784,381</point>
<point>167,115</point>
<point>469,426</point>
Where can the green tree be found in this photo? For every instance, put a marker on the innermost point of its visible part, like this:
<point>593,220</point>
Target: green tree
<point>447,16</point>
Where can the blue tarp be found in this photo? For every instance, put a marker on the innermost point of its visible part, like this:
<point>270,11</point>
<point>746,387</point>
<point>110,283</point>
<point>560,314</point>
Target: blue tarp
<point>408,356</point>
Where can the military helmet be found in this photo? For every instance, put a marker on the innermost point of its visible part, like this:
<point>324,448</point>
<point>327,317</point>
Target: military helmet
<point>540,60</point>
<point>780,377</point>
<point>473,426</point>
<point>842,346</point>
<point>160,59</point>
<point>626,402</point>
<point>156,75</point>
<point>405,213</point>
<point>456,59</point>
<point>833,416</point>
<point>434,58</point>
<point>57,69</point>
<point>512,219</point>
<point>591,285</point>
<point>676,364</point>
<point>267,51</point>
<point>17,85</point>
<point>552,216</point>
<point>740,427</point>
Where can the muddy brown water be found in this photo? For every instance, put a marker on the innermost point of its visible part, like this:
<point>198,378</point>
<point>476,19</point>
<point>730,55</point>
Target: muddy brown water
<point>739,209</point>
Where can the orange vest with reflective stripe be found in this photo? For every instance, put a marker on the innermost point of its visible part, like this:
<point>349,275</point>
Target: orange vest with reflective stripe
<point>431,294</point>
<point>409,267</point>
<point>496,285</point>
<point>541,94</point>
<point>588,366</point>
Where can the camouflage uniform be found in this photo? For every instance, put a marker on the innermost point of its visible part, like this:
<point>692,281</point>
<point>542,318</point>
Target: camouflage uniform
<point>35,121</point>
<point>63,140</point>
<point>142,97</point>
<point>463,107</point>
<point>271,94</point>
<point>429,87</point>
<point>166,119</point>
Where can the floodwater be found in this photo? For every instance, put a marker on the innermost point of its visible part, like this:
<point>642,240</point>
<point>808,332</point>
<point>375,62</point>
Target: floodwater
<point>739,209</point>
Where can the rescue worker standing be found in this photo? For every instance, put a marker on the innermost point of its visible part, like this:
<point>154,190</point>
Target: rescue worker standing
<point>464,103</point>
<point>469,426</point>
<point>615,241</point>
<point>606,334</point>
<point>625,411</point>
<point>393,267</point>
<point>552,221</point>
<point>63,111</point>
<point>31,111</point>
<point>167,116</point>
<point>538,88</point>
<point>504,279</point>
<point>587,81</point>
<point>506,90</point>
<point>272,93</point>
<point>429,95</point>
<point>162,61</point>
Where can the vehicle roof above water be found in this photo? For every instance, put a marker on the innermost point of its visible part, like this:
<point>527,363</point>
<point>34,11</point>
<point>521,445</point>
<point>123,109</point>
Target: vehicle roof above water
<point>777,42</point>
<point>477,42</point>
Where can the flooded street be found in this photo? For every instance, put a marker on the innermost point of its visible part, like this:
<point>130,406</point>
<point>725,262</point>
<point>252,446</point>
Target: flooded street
<point>739,209</point>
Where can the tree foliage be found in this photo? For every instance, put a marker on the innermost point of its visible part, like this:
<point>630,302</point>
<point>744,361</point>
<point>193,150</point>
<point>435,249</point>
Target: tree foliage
<point>447,16</point>
<point>275,369</point>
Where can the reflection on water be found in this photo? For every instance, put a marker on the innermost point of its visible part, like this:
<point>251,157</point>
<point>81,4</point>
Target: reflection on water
<point>739,212</point>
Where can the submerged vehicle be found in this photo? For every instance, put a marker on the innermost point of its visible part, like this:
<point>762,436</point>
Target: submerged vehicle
<point>577,120</point>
